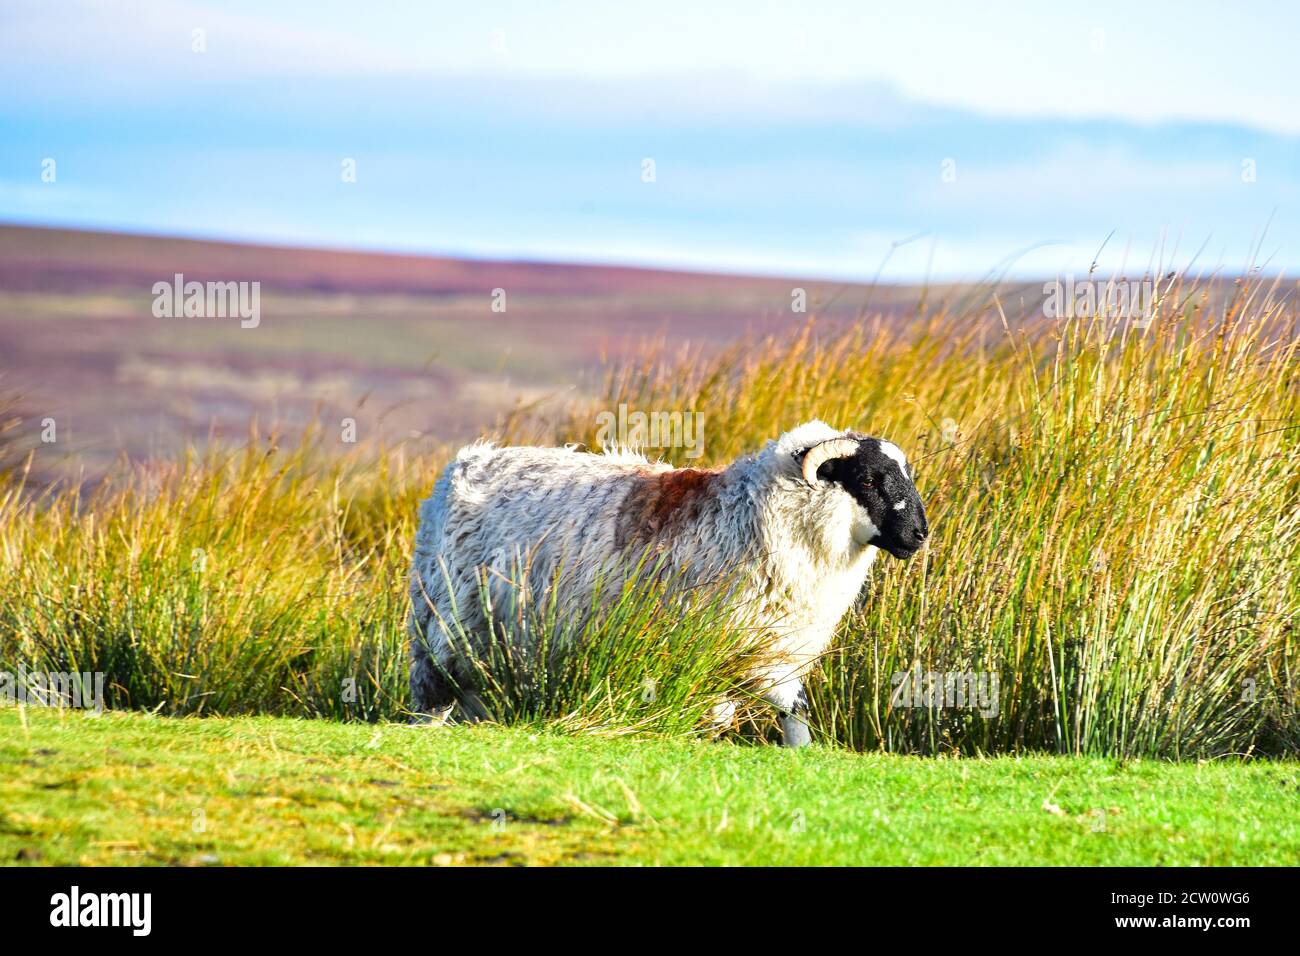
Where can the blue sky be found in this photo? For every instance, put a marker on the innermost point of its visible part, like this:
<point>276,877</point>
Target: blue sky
<point>787,138</point>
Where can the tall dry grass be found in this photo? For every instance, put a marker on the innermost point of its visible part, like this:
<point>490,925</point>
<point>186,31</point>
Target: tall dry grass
<point>1115,515</point>
<point>1116,538</point>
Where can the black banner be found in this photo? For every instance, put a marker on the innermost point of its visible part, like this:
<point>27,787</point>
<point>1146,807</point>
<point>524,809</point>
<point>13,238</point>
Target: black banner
<point>338,905</point>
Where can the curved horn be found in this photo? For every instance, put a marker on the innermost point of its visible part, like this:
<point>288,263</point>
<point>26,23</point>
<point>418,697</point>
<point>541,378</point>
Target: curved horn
<point>819,454</point>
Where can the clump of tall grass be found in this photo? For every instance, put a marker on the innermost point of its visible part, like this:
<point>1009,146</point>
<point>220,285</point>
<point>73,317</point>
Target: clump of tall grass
<point>263,580</point>
<point>1115,517</point>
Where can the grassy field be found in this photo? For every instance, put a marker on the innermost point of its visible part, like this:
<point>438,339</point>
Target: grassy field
<point>1115,547</point>
<point>1115,518</point>
<point>127,789</point>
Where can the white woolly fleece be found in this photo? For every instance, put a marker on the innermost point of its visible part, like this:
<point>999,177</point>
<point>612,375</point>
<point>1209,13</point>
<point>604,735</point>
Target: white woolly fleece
<point>800,551</point>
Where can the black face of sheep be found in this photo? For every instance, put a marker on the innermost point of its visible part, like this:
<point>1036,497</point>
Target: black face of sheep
<point>878,478</point>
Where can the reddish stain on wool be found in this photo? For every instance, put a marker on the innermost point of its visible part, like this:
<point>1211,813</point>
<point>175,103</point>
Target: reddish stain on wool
<point>660,501</point>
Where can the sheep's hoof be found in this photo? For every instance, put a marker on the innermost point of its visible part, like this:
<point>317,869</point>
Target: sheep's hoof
<point>795,732</point>
<point>722,718</point>
<point>435,718</point>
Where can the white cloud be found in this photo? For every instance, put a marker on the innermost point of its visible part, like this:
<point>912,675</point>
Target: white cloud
<point>137,43</point>
<point>1114,59</point>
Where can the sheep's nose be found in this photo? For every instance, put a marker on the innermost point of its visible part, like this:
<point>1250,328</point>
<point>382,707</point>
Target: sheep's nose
<point>920,534</point>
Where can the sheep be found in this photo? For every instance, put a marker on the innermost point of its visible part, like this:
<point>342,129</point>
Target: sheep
<point>801,521</point>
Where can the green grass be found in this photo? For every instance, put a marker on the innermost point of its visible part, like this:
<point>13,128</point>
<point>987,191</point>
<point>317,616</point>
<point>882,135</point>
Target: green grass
<point>133,789</point>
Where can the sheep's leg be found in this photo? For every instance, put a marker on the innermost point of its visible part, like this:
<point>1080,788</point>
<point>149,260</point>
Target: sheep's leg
<point>792,706</point>
<point>722,717</point>
<point>434,691</point>
<point>431,691</point>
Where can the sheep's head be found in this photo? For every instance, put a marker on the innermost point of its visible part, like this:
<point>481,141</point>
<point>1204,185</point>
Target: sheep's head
<point>875,473</point>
